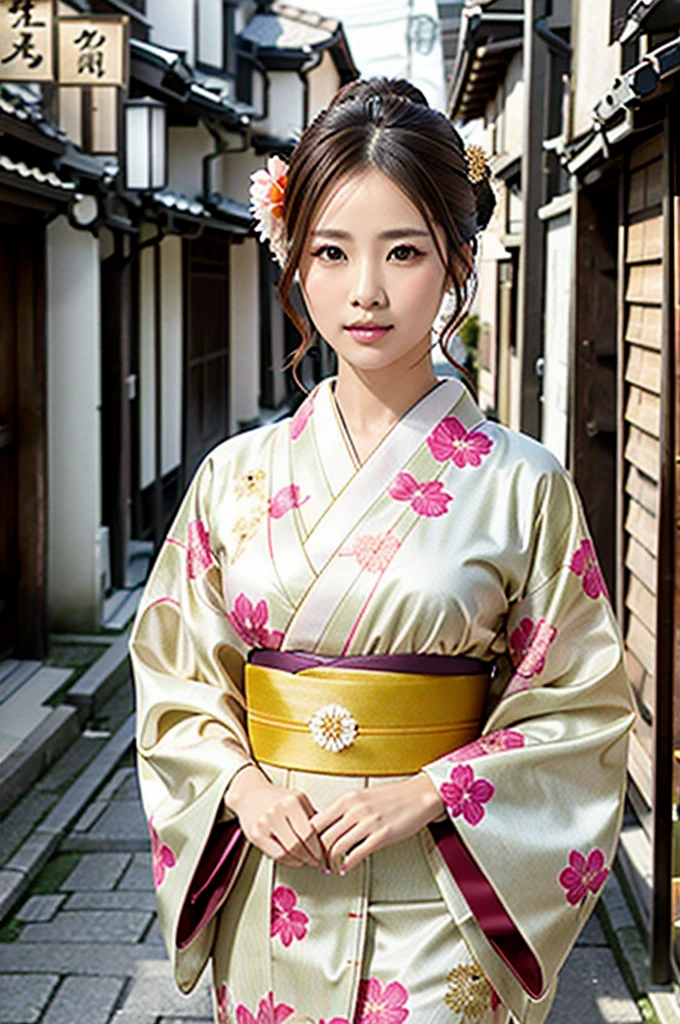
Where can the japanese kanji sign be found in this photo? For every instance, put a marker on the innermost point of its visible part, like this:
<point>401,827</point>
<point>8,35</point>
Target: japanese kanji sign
<point>92,51</point>
<point>26,41</point>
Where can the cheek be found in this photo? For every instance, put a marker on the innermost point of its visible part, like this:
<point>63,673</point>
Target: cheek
<point>322,292</point>
<point>420,293</point>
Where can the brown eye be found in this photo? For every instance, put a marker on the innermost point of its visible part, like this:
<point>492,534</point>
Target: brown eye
<point>403,253</point>
<point>329,253</point>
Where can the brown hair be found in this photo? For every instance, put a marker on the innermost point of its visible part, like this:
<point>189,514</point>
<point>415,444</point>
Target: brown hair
<point>387,124</point>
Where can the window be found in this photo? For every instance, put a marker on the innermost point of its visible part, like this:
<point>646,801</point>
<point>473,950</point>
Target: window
<point>214,22</point>
<point>208,17</point>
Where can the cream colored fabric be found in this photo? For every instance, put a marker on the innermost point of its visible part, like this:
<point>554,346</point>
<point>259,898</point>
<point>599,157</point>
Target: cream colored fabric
<point>456,536</point>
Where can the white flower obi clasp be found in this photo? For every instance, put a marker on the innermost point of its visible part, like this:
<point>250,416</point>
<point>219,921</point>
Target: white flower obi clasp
<point>333,727</point>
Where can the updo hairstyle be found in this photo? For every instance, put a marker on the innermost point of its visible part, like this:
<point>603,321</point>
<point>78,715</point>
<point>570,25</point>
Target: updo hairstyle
<point>387,124</point>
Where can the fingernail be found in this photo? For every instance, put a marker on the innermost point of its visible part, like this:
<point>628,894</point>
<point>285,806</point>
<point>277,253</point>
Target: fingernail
<point>342,872</point>
<point>327,871</point>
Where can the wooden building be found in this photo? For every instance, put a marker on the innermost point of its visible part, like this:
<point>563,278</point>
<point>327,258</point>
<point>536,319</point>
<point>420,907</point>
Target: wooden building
<point>625,443</point>
<point>138,324</point>
<point>580,334</point>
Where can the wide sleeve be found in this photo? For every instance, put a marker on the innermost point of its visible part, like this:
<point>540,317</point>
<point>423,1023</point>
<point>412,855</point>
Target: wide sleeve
<point>535,805</point>
<point>191,739</point>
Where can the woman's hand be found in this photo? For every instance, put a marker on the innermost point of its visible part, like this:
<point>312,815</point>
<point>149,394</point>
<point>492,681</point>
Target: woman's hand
<point>276,820</point>
<point>362,821</point>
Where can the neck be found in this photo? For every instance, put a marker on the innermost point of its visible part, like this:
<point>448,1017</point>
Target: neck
<point>371,402</point>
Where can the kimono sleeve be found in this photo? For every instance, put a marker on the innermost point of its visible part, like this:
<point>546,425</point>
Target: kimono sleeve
<point>535,805</point>
<point>191,739</point>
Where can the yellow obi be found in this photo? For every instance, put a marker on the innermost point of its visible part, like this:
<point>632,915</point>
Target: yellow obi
<point>344,721</point>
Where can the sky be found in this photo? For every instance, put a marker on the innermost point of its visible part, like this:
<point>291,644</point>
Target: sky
<point>377,31</point>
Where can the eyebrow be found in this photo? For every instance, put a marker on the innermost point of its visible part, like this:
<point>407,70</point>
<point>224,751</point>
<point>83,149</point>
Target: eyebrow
<point>391,233</point>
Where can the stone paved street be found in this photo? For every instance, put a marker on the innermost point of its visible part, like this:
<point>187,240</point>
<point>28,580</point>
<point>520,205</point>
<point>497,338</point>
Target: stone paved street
<point>83,947</point>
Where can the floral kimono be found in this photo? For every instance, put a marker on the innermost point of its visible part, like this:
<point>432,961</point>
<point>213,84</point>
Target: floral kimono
<point>456,536</point>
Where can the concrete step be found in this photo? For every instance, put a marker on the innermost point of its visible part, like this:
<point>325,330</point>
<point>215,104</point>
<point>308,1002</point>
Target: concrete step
<point>32,733</point>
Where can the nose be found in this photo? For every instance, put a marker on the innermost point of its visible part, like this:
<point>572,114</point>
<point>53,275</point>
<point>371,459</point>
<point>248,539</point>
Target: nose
<point>368,291</point>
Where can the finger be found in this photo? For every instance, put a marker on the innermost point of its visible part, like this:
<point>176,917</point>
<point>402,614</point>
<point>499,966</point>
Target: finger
<point>339,851</point>
<point>371,844</point>
<point>303,829</point>
<point>333,834</point>
<point>285,857</point>
<point>324,819</point>
<point>290,842</point>
<point>272,848</point>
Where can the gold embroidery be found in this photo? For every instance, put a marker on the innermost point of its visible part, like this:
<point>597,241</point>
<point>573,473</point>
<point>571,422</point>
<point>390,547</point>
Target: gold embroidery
<point>251,484</point>
<point>468,992</point>
<point>243,531</point>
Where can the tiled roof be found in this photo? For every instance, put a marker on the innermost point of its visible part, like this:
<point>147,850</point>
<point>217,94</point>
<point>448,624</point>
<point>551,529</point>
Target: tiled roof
<point>15,103</point>
<point>188,85</point>
<point>180,203</point>
<point>23,171</point>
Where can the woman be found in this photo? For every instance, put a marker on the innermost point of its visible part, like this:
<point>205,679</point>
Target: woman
<point>415,817</point>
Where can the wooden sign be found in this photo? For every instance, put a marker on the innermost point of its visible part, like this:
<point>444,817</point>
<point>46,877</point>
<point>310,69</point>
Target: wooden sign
<point>93,51</point>
<point>26,41</point>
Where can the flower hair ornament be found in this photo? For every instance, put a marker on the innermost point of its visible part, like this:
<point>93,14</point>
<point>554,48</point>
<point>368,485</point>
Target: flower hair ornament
<point>268,190</point>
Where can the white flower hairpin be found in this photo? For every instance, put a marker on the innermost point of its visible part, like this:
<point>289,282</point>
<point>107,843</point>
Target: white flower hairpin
<point>267,191</point>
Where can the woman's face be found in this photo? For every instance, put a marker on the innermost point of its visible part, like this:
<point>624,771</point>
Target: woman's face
<point>370,260</point>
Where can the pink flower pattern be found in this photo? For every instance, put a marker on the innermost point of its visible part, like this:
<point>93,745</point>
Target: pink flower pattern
<point>286,499</point>
<point>451,440</point>
<point>427,499</point>
<point>250,622</point>
<point>200,557</point>
<point>529,644</point>
<point>583,875</point>
<point>162,857</point>
<point>381,1005</point>
<point>287,921</point>
<point>302,417</point>
<point>268,1012</point>
<point>464,794</point>
<point>584,563</point>
<point>223,1014</point>
<point>493,743</point>
<point>373,552</point>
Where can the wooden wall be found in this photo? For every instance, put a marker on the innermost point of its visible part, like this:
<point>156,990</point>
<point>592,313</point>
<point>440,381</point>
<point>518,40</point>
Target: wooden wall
<point>642,233</point>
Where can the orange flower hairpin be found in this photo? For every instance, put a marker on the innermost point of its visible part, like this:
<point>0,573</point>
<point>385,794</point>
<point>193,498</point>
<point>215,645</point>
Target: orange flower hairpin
<point>267,191</point>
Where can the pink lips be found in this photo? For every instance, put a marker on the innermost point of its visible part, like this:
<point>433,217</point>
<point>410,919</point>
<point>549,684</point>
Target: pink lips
<point>367,334</point>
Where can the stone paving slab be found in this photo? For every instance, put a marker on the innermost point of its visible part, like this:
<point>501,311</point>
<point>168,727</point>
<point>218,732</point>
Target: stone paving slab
<point>33,854</point>
<point>117,899</point>
<point>105,959</point>
<point>83,789</point>
<point>139,874</point>
<point>24,996</point>
<point>90,1000</point>
<point>96,872</point>
<point>90,815</point>
<point>113,786</point>
<point>12,884</point>
<point>591,990</point>
<point>153,992</point>
<point>78,926</point>
<point>593,933</point>
<point>122,819</point>
<point>40,908</point>
<point>129,789</point>
<point>21,821</point>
